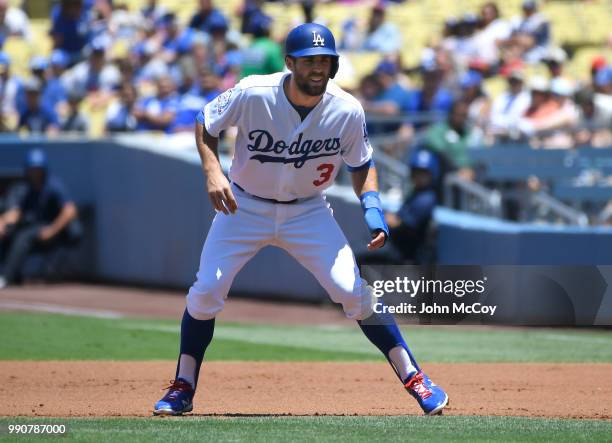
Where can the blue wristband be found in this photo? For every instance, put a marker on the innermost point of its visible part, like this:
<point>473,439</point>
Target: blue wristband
<point>373,213</point>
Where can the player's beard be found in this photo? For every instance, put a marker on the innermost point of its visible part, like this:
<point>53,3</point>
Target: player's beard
<point>304,85</point>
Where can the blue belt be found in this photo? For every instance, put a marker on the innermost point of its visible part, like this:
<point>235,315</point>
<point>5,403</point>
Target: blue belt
<point>269,200</point>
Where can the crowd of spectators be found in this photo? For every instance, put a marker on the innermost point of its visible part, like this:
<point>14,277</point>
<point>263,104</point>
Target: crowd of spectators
<point>443,104</point>
<point>148,70</point>
<point>546,111</point>
<point>144,69</point>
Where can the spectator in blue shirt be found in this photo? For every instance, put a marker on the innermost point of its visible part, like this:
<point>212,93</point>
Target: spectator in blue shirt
<point>382,35</point>
<point>58,62</point>
<point>530,33</point>
<point>152,11</point>
<point>207,85</point>
<point>53,94</point>
<point>174,42</point>
<point>217,28</point>
<point>157,113</point>
<point>204,91</point>
<point>392,100</point>
<point>69,28</point>
<point>35,117</point>
<point>250,9</point>
<point>120,115</point>
<point>533,25</point>
<point>395,97</point>
<point>432,97</point>
<point>206,16</point>
<point>188,107</point>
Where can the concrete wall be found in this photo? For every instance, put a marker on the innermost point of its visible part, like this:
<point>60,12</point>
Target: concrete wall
<point>150,215</point>
<point>466,239</point>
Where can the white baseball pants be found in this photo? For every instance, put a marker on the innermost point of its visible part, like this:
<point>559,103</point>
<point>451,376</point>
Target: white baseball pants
<point>307,230</point>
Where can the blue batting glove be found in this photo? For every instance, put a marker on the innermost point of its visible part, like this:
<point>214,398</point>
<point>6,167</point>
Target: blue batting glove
<point>373,213</point>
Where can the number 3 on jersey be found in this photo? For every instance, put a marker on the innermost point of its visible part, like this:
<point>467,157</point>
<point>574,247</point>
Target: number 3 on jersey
<point>326,172</point>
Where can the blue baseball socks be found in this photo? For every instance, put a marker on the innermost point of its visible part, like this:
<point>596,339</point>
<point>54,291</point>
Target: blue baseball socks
<point>383,332</point>
<point>380,329</point>
<point>196,335</point>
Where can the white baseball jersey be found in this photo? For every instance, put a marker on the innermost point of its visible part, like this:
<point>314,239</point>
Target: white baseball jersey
<point>279,156</point>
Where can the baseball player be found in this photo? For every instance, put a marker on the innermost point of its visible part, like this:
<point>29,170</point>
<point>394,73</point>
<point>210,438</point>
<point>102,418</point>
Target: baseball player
<point>295,131</point>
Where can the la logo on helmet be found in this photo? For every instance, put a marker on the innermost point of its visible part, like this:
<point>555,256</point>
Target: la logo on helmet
<point>317,40</point>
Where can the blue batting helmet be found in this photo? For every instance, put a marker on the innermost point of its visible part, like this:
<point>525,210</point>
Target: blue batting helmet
<point>423,159</point>
<point>312,39</point>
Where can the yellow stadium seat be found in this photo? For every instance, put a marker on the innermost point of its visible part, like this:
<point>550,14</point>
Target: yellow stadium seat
<point>40,36</point>
<point>363,63</point>
<point>495,86</point>
<point>20,52</point>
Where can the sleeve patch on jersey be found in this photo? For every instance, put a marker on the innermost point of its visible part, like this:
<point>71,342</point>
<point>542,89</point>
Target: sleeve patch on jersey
<point>223,101</point>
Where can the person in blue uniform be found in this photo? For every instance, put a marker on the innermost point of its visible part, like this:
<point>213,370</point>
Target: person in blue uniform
<point>409,226</point>
<point>40,215</point>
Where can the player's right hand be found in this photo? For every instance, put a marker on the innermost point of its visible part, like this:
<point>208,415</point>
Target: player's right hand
<point>220,193</point>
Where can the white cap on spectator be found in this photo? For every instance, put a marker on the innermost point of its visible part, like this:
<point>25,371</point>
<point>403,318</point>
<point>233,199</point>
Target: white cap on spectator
<point>555,54</point>
<point>428,59</point>
<point>539,83</point>
<point>517,74</point>
<point>561,86</point>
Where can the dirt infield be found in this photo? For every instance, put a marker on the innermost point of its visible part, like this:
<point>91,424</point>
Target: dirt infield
<point>103,389</point>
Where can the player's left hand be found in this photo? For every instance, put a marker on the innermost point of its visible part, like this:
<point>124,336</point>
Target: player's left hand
<point>378,241</point>
<point>375,219</point>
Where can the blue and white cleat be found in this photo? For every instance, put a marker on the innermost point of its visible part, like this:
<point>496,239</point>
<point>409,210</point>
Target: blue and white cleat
<point>178,399</point>
<point>430,396</point>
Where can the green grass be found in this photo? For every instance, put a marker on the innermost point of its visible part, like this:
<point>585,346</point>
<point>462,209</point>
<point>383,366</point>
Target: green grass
<point>28,336</point>
<point>302,429</point>
<point>58,337</point>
